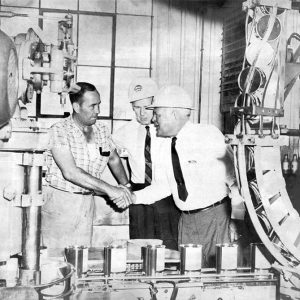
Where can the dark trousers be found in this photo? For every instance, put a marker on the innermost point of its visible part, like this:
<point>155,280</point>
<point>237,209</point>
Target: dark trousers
<point>156,221</point>
<point>207,228</point>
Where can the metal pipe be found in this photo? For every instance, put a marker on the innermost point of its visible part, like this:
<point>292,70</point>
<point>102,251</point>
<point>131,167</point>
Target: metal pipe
<point>31,228</point>
<point>289,132</point>
<point>201,66</point>
<point>31,238</point>
<point>35,180</point>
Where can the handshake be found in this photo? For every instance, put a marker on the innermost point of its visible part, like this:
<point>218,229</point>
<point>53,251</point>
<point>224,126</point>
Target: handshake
<point>122,196</point>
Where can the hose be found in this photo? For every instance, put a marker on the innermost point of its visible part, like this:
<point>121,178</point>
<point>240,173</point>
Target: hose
<point>175,287</point>
<point>61,295</point>
<point>54,282</point>
<point>68,290</point>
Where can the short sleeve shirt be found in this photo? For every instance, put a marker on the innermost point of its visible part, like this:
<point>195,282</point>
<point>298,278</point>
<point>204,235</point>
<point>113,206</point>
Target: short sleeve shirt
<point>67,134</point>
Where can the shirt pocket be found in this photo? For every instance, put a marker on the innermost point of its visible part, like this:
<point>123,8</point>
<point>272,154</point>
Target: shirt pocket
<point>192,171</point>
<point>104,148</point>
<point>104,152</point>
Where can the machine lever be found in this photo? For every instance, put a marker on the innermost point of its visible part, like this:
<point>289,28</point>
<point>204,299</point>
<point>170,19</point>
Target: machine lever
<point>175,289</point>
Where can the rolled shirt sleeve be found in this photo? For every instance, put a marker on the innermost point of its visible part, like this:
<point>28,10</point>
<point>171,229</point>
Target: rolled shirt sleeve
<point>65,134</point>
<point>57,138</point>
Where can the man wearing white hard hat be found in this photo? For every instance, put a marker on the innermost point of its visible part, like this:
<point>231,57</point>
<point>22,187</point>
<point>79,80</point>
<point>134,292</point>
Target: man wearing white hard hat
<point>160,219</point>
<point>196,168</point>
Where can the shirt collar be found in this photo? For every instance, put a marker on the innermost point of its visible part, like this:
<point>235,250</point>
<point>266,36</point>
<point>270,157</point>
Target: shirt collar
<point>142,128</point>
<point>74,127</point>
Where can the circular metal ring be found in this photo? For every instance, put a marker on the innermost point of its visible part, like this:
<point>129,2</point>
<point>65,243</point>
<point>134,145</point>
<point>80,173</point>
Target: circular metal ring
<point>262,25</point>
<point>8,78</point>
<point>261,51</point>
<point>257,79</point>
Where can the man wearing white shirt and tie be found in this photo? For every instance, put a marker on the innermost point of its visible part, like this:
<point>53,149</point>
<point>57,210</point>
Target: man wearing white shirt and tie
<point>196,168</point>
<point>160,219</point>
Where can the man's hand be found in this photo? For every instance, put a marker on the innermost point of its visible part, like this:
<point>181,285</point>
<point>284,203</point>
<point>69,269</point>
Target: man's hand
<point>238,208</point>
<point>124,202</point>
<point>236,229</point>
<point>121,196</point>
<point>233,231</point>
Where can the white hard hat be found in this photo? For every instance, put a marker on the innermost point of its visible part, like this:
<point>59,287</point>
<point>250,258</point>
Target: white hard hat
<point>172,96</point>
<point>141,88</point>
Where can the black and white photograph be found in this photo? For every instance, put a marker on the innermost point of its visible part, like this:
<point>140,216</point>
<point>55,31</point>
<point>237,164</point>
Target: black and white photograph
<point>149,149</point>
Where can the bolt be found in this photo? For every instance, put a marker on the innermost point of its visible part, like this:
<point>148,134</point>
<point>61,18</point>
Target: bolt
<point>252,140</point>
<point>227,139</point>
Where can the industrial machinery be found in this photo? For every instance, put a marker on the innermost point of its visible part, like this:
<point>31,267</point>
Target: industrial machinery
<point>268,73</point>
<point>26,66</point>
<point>156,274</point>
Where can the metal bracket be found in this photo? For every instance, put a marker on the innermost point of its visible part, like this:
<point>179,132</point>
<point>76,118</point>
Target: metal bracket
<point>286,4</point>
<point>255,140</point>
<point>31,159</point>
<point>26,200</point>
<point>258,111</point>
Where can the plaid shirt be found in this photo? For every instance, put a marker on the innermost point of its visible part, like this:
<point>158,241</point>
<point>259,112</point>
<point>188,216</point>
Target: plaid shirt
<point>67,134</point>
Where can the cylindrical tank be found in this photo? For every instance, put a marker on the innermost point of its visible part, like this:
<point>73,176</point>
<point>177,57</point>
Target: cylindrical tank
<point>190,258</point>
<point>114,259</point>
<point>258,260</point>
<point>78,257</point>
<point>227,257</point>
<point>153,259</point>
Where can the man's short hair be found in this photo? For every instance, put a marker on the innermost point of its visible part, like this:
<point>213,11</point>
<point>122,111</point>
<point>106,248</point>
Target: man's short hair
<point>82,87</point>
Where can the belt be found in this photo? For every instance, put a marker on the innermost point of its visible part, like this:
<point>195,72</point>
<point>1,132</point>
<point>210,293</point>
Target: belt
<point>83,193</point>
<point>76,193</point>
<point>207,207</point>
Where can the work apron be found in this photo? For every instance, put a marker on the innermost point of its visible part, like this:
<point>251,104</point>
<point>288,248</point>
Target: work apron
<point>67,219</point>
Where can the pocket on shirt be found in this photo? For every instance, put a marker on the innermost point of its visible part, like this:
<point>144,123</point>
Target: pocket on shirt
<point>104,152</point>
<point>192,165</point>
<point>196,171</point>
<point>191,171</point>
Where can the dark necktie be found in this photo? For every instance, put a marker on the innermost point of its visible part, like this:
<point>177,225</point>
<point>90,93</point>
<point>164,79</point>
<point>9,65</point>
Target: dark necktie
<point>182,192</point>
<point>148,162</point>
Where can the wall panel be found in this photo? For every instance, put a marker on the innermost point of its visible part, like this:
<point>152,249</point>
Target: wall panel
<point>292,103</point>
<point>177,40</point>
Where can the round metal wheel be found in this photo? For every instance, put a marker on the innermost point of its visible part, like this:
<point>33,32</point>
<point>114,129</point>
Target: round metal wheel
<point>8,78</point>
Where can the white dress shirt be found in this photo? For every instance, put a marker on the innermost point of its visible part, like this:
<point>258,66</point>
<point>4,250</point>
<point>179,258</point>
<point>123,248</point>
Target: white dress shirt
<point>207,168</point>
<point>132,138</point>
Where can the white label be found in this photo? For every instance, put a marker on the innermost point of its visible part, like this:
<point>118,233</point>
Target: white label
<point>85,257</point>
<point>118,260</point>
<point>193,258</point>
<point>229,258</point>
<point>160,259</point>
<point>260,260</point>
